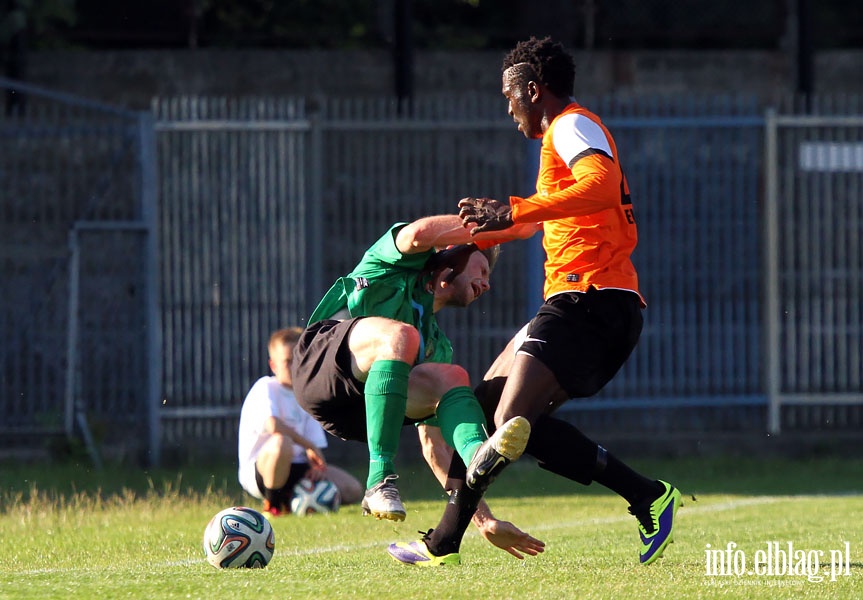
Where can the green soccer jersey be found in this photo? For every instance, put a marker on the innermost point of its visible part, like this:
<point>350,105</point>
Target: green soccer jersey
<point>387,283</point>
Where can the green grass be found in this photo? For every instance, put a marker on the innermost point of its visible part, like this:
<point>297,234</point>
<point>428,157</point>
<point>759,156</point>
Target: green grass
<point>71,532</point>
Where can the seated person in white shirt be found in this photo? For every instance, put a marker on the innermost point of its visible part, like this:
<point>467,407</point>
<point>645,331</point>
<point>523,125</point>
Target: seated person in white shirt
<point>280,443</point>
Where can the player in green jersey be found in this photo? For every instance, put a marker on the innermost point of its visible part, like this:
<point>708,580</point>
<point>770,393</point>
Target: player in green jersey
<point>373,358</point>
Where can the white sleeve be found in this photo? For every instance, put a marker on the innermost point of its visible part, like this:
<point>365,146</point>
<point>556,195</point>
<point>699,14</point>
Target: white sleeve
<point>575,134</point>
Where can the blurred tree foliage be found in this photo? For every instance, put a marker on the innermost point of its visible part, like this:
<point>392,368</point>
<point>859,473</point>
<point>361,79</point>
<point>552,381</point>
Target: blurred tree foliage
<point>41,19</point>
<point>435,24</point>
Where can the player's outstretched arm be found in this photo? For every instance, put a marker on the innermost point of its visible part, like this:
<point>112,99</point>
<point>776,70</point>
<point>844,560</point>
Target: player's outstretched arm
<point>443,230</point>
<point>431,232</point>
<point>435,451</point>
<point>505,535</point>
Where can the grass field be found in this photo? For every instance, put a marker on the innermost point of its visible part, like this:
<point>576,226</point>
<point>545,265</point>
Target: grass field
<point>70,532</point>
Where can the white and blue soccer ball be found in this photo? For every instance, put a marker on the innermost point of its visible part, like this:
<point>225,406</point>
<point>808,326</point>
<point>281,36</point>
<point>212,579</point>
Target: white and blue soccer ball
<point>315,497</point>
<point>239,537</point>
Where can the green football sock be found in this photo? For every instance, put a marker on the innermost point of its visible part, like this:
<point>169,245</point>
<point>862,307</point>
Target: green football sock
<point>386,396</point>
<point>461,421</point>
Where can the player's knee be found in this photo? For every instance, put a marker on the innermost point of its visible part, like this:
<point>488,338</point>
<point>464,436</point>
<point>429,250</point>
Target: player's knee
<point>452,376</point>
<point>501,417</point>
<point>435,380</point>
<point>506,412</point>
<point>278,446</point>
<point>401,342</point>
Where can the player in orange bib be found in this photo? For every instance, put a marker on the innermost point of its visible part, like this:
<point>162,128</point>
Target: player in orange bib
<point>592,315</point>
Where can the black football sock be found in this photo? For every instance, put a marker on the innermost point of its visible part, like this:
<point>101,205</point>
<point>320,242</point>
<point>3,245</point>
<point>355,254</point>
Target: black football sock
<point>457,472</point>
<point>278,497</point>
<point>271,496</point>
<point>446,537</point>
<point>561,448</point>
<point>633,486</point>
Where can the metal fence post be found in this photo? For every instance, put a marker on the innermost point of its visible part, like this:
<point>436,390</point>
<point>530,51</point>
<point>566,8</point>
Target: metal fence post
<point>772,374</point>
<point>149,215</point>
<point>72,336</point>
<point>314,245</point>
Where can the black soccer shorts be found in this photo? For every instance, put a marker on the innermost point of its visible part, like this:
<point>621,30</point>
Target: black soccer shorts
<point>585,337</point>
<point>324,384</point>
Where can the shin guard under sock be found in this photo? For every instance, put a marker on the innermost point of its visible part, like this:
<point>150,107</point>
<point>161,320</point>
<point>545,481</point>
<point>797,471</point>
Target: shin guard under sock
<point>386,394</point>
<point>461,421</point>
<point>622,480</point>
<point>563,449</point>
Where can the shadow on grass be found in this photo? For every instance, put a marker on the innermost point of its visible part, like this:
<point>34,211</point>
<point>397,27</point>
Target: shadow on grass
<point>693,476</point>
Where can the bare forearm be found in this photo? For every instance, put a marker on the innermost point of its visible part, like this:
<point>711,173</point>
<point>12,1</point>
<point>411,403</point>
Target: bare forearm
<point>482,515</point>
<point>443,230</point>
<point>435,451</point>
<point>274,425</point>
<point>430,232</point>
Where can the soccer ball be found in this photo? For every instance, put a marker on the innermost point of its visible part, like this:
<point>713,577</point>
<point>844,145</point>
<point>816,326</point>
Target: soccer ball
<point>315,497</point>
<point>239,537</point>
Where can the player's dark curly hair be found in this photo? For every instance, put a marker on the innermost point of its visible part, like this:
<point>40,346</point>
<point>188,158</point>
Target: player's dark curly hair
<point>553,65</point>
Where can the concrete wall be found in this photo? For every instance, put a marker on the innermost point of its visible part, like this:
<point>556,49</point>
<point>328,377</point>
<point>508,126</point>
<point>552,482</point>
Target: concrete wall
<point>131,78</point>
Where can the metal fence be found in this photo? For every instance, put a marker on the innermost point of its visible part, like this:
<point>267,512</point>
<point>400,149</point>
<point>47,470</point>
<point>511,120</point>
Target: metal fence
<point>749,254</point>
<point>814,269</point>
<point>78,311</point>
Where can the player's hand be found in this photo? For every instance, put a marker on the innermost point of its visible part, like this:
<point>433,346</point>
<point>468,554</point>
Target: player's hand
<point>317,462</point>
<point>487,213</point>
<point>315,474</point>
<point>507,536</point>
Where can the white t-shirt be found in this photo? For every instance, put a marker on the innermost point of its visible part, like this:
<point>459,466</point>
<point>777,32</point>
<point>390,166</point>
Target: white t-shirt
<point>270,398</point>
